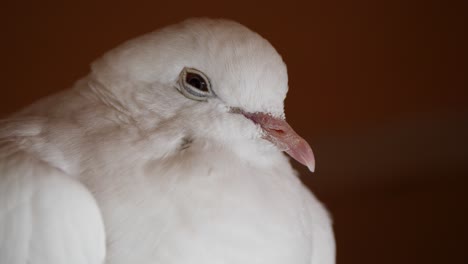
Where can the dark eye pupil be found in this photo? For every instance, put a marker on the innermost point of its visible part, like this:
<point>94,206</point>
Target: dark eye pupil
<point>196,81</point>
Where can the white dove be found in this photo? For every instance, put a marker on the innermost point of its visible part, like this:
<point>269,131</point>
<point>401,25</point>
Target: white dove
<point>168,152</point>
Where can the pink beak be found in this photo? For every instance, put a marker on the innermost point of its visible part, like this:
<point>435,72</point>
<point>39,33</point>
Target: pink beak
<point>281,134</point>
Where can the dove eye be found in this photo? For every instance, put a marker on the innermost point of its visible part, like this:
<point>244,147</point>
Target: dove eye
<point>194,84</point>
<point>196,81</point>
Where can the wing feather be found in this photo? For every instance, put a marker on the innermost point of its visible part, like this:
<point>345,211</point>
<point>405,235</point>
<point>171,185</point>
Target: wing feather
<point>45,215</point>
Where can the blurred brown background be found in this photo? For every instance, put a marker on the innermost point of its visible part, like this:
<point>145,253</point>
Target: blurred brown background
<point>379,89</point>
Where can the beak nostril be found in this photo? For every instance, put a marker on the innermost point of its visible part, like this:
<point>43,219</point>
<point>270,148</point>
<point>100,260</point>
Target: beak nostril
<point>278,131</point>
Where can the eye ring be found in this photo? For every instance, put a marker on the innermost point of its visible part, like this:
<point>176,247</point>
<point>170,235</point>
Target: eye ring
<point>194,84</point>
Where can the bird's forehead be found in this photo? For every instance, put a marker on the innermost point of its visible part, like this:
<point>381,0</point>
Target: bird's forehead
<point>244,68</point>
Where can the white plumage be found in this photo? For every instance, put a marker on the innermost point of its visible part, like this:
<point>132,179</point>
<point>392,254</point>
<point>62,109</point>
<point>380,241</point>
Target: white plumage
<point>168,152</point>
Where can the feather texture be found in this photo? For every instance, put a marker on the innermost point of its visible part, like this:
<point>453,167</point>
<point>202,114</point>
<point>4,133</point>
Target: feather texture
<point>46,217</point>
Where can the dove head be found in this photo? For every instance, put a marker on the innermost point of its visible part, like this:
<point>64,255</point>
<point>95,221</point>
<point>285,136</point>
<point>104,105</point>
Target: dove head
<point>205,79</point>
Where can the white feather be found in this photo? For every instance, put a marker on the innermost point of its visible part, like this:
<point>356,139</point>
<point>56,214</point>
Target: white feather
<point>175,180</point>
<point>45,216</point>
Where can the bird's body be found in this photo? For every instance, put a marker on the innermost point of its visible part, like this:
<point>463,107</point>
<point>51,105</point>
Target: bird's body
<point>124,168</point>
